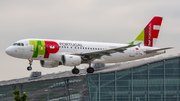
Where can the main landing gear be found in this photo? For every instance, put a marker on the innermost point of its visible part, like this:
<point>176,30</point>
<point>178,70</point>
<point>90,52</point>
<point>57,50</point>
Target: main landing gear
<point>75,70</point>
<point>29,68</point>
<point>88,70</point>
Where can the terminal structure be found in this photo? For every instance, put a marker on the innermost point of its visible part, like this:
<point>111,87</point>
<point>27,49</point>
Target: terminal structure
<point>150,79</point>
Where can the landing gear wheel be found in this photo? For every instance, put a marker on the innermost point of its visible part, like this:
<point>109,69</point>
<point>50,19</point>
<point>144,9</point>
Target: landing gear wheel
<point>29,68</point>
<point>30,63</point>
<point>75,71</point>
<point>90,70</point>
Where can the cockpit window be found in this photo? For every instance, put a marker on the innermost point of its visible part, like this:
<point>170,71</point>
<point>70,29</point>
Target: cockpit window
<point>18,44</point>
<point>14,44</point>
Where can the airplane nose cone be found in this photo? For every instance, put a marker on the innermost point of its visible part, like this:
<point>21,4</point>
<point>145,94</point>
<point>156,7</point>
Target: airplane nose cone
<point>8,51</point>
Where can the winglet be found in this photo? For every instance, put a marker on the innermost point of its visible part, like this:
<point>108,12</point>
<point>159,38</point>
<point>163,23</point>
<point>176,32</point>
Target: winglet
<point>138,44</point>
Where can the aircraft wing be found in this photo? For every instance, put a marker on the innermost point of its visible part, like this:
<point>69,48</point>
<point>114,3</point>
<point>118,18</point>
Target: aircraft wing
<point>155,50</point>
<point>98,54</point>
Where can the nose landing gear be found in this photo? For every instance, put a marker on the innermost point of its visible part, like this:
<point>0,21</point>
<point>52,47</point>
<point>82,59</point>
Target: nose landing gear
<point>29,68</point>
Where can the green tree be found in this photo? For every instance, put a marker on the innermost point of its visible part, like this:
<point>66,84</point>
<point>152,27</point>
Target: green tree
<point>17,96</point>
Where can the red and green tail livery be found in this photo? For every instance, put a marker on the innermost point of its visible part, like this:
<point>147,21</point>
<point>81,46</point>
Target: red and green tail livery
<point>150,33</point>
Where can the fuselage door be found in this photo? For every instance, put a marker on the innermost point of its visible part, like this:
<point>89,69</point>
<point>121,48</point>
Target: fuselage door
<point>33,47</point>
<point>132,53</point>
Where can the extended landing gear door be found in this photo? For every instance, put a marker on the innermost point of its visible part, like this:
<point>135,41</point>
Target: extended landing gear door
<point>33,48</point>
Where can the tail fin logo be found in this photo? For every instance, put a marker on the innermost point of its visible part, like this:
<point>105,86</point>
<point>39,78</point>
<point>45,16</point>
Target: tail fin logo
<point>150,33</point>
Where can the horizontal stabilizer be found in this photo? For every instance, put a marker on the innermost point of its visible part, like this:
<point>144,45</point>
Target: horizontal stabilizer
<point>155,50</point>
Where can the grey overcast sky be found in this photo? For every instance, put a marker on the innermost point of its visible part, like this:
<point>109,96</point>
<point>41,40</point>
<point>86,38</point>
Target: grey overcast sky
<point>118,21</point>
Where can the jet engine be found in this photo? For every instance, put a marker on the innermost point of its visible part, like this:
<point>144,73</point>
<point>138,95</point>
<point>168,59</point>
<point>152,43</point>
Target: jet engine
<point>49,64</point>
<point>71,60</point>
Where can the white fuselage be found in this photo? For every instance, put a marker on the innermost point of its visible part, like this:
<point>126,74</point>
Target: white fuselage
<point>33,50</point>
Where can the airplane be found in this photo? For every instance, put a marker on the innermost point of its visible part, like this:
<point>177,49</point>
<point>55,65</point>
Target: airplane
<point>53,53</point>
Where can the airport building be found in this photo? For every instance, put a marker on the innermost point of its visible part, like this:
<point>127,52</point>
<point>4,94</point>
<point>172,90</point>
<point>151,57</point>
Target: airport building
<point>152,79</point>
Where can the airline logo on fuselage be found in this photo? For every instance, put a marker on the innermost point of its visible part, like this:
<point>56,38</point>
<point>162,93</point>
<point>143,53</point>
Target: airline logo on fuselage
<point>69,44</point>
<point>44,48</point>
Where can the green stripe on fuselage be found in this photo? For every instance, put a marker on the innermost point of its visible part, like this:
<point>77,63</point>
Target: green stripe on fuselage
<point>38,47</point>
<point>41,48</point>
<point>32,42</point>
<point>37,43</point>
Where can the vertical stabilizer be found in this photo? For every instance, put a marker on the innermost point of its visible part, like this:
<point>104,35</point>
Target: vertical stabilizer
<point>150,33</point>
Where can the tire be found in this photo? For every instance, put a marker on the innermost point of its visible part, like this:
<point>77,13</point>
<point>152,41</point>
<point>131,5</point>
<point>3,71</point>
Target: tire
<point>90,70</point>
<point>75,71</point>
<point>29,68</point>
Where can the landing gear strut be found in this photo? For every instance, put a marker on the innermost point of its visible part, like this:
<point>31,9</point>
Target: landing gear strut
<point>29,68</point>
<point>75,70</point>
<point>90,69</point>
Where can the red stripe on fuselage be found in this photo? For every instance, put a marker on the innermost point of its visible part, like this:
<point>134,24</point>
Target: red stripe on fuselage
<point>51,47</point>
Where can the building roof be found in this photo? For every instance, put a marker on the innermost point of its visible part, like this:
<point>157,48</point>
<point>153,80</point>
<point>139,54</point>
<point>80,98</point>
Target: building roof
<point>108,68</point>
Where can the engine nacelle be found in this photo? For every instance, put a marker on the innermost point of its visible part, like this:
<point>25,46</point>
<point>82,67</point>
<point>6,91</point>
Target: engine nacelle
<point>49,64</point>
<point>71,60</point>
